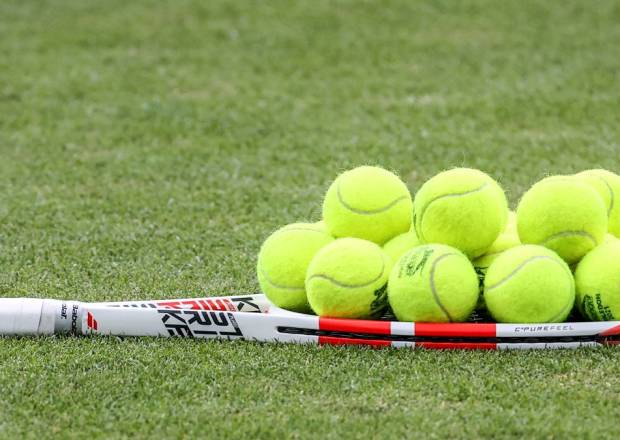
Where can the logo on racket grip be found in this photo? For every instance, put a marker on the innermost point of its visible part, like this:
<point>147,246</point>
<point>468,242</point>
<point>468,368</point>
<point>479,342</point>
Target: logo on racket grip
<point>75,312</point>
<point>91,322</point>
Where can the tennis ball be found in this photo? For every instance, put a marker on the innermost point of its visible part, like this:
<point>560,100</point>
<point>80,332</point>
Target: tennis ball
<point>321,224</point>
<point>609,238</point>
<point>506,240</point>
<point>433,283</point>
<point>607,185</point>
<point>283,260</point>
<point>347,279</point>
<point>598,283</point>
<point>463,208</point>
<point>529,284</point>
<point>563,214</point>
<point>400,245</point>
<point>511,224</point>
<point>367,202</point>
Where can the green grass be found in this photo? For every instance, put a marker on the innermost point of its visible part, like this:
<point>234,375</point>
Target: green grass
<point>147,148</point>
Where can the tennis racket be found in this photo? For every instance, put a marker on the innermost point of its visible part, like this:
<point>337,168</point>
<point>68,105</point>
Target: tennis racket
<point>252,317</point>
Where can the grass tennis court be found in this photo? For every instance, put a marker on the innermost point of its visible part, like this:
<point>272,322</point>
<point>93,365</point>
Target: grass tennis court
<point>147,149</point>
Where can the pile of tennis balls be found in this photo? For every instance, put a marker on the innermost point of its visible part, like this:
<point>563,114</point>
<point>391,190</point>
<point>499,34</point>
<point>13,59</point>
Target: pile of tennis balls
<point>452,251</point>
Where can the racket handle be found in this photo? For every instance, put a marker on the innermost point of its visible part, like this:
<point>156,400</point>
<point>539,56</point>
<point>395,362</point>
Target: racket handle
<point>33,316</point>
<point>20,316</point>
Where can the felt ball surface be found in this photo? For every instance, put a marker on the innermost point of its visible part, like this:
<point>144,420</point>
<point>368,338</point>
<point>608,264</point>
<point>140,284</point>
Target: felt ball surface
<point>509,238</point>
<point>529,284</point>
<point>283,261</point>
<point>607,185</point>
<point>597,279</point>
<point>463,208</point>
<point>369,203</point>
<point>400,245</point>
<point>506,240</point>
<point>347,279</point>
<point>433,283</point>
<point>564,214</point>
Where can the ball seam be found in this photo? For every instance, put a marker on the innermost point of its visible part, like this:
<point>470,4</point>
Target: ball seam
<point>278,286</point>
<point>493,254</point>
<point>611,194</point>
<point>370,211</point>
<point>443,196</point>
<point>518,268</point>
<point>562,234</point>
<point>434,287</point>
<point>345,285</point>
<point>564,312</point>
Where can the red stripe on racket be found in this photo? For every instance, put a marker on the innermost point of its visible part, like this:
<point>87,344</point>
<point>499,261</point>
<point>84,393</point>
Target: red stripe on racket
<point>457,345</point>
<point>334,340</point>
<point>612,331</point>
<point>464,330</point>
<point>355,326</point>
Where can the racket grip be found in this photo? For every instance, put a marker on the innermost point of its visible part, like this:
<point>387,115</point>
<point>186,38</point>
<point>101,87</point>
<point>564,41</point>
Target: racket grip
<point>21,317</point>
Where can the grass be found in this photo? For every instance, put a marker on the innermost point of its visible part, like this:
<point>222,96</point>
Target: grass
<point>147,148</point>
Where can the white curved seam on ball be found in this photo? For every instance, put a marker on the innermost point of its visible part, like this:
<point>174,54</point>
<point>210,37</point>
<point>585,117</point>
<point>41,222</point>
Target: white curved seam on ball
<point>370,211</point>
<point>475,252</point>
<point>518,268</point>
<point>568,271</point>
<point>434,288</point>
<point>493,254</point>
<point>564,311</point>
<point>568,234</point>
<point>279,286</point>
<point>444,196</point>
<point>611,195</point>
<point>348,286</point>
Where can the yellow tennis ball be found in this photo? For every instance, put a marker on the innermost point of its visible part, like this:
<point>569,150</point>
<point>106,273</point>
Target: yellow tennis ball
<point>598,283</point>
<point>347,279</point>
<point>321,224</point>
<point>506,240</point>
<point>400,245</point>
<point>607,185</point>
<point>529,284</point>
<point>369,203</point>
<point>463,208</point>
<point>511,224</point>
<point>564,214</point>
<point>433,283</point>
<point>283,261</point>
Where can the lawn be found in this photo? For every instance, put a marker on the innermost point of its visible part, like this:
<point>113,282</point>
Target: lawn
<point>147,148</point>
